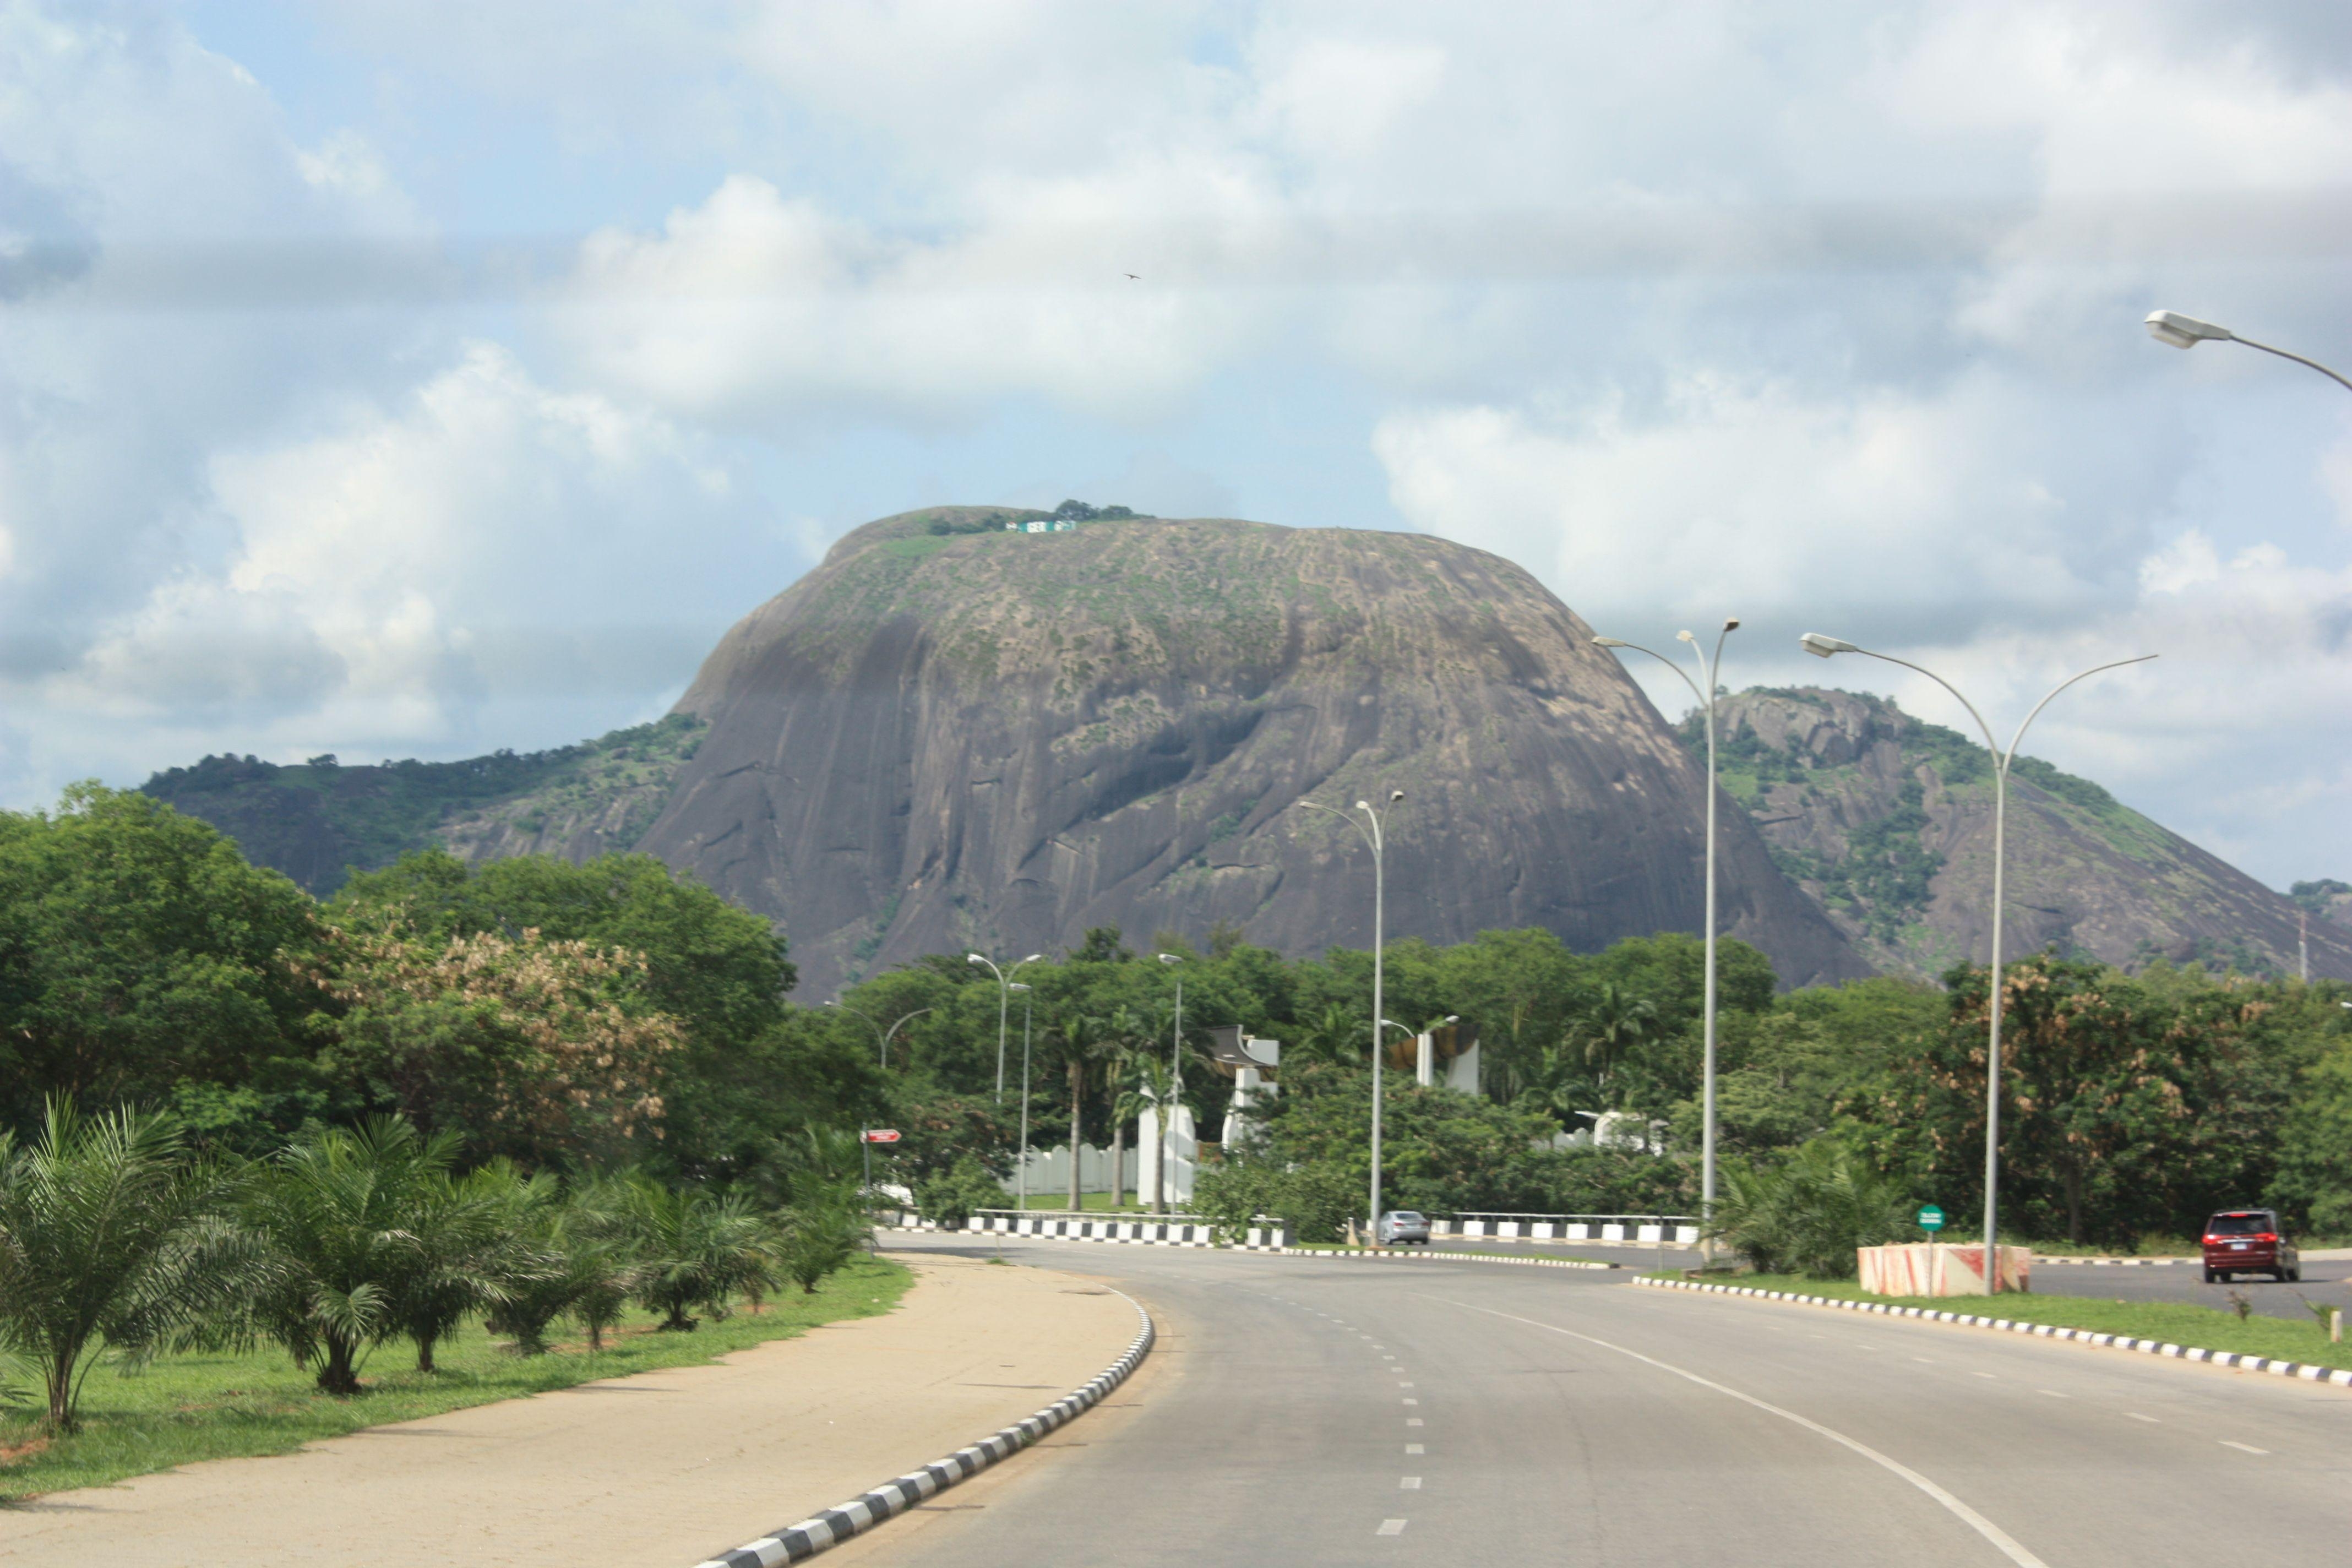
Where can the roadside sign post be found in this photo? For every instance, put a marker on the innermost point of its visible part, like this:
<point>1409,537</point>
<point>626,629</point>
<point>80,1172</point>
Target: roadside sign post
<point>1931,1220</point>
<point>867,1137</point>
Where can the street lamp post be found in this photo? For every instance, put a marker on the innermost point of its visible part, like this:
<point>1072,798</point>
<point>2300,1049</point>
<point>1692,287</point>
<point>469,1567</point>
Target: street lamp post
<point>1710,669</point>
<point>2187,331</point>
<point>1370,828</point>
<point>1167,1183</point>
<point>1027,1002</point>
<point>1003,1005</point>
<point>881,1035</point>
<point>1822,647</point>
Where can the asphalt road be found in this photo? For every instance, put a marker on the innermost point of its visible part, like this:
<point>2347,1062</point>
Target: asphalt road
<point>1306,1411</point>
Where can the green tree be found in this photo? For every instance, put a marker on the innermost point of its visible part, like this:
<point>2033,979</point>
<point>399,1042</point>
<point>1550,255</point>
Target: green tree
<point>140,953</point>
<point>113,1236</point>
<point>1809,1213</point>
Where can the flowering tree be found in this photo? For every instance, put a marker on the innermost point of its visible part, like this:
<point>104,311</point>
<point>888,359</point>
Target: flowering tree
<point>538,1050</point>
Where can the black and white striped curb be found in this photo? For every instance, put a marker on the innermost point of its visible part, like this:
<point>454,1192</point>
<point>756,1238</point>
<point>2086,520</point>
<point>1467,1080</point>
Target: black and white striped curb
<point>2308,1374</point>
<point>798,1542</point>
<point>1390,1255</point>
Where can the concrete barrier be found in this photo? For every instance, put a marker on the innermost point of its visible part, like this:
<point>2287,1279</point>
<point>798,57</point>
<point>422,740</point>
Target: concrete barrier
<point>1940,1269</point>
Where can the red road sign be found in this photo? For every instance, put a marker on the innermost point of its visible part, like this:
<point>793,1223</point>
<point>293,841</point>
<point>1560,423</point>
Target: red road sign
<point>881,1135</point>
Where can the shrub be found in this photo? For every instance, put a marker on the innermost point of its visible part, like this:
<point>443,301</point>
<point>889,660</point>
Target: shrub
<point>949,1200</point>
<point>1809,1215</point>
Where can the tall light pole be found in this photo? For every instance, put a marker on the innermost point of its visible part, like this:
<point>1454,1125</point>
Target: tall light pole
<point>1175,1088</point>
<point>881,1035</point>
<point>1003,1004</point>
<point>1823,647</point>
<point>1369,827</point>
<point>1027,1000</point>
<point>2187,331</point>
<point>1709,670</point>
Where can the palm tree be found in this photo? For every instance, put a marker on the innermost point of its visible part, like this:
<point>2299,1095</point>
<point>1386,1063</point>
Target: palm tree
<point>337,1217</point>
<point>1124,1032</point>
<point>600,1250</point>
<point>1336,1035</point>
<point>1084,1039</point>
<point>468,1253</point>
<point>698,1248</point>
<point>820,1233</point>
<point>1616,1025</point>
<point>110,1236</point>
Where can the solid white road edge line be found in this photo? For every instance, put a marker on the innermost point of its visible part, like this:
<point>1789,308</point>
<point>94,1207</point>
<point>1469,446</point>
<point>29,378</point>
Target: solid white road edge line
<point>2000,1539</point>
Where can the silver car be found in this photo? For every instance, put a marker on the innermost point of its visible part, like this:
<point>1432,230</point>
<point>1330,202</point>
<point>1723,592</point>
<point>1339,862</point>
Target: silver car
<point>1401,1227</point>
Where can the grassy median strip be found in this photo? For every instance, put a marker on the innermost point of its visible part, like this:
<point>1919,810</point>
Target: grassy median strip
<point>182,1408</point>
<point>2167,1322</point>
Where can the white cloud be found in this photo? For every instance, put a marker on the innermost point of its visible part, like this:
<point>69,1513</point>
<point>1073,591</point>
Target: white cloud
<point>421,568</point>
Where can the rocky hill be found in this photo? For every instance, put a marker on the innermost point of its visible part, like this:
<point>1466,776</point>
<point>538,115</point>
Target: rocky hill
<point>950,735</point>
<point>316,820</point>
<point>1888,822</point>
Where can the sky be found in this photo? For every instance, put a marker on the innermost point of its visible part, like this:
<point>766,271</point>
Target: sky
<point>419,377</point>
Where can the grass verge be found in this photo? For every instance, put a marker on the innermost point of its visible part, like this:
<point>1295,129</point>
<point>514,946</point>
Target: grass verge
<point>2169,1322</point>
<point>183,1408</point>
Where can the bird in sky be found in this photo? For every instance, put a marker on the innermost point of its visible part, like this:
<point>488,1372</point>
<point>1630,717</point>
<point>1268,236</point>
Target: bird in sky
<point>1136,276</point>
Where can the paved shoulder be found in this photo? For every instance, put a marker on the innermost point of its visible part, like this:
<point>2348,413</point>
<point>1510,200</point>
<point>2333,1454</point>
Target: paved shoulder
<point>663,1469</point>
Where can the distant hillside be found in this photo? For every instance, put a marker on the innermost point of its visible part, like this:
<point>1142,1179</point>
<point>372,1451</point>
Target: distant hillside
<point>1888,821</point>
<point>317,820</point>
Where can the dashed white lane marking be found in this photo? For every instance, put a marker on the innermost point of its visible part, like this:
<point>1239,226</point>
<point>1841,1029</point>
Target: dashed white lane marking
<point>2149,1419</point>
<point>1388,1355</point>
<point>2000,1539</point>
<point>1985,1374</point>
<point>1923,1361</point>
<point>1405,1385</point>
<point>2053,1393</point>
<point>1413,1448</point>
<point>2243,1447</point>
<point>1408,1483</point>
<point>1391,1527</point>
<point>1412,1420</point>
<point>1412,1402</point>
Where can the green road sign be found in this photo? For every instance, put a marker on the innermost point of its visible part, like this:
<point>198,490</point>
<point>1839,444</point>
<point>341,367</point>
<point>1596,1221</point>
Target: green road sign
<point>1931,1219</point>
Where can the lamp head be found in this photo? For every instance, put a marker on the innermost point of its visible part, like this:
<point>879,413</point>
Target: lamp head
<point>1731,624</point>
<point>2184,332</point>
<point>1033,958</point>
<point>1395,795</point>
<point>1363,806</point>
<point>1454,1018</point>
<point>1685,637</point>
<point>1018,985</point>
<point>1170,958</point>
<point>828,1003</point>
<point>1609,642</point>
<point>1821,647</point>
<point>975,958</point>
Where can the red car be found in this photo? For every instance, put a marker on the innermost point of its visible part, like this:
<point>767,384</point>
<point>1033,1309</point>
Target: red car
<point>2248,1241</point>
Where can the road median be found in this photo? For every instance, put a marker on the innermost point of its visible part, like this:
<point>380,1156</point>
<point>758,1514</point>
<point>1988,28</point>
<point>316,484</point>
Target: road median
<point>2243,1360</point>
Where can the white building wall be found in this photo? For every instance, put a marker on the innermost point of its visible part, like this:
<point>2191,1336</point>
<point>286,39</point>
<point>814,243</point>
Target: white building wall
<point>1180,1173</point>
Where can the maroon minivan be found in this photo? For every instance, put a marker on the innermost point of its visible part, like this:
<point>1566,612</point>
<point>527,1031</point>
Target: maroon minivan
<point>2248,1241</point>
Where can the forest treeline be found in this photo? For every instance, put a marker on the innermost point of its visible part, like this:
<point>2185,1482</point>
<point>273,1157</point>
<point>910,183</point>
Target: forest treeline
<point>586,1019</point>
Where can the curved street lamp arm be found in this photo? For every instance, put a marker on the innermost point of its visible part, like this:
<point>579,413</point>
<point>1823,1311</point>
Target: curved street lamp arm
<point>902,1022</point>
<point>2020,737</point>
<point>2298,359</point>
<point>1680,673</point>
<point>1346,816</point>
<point>1991,745</point>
